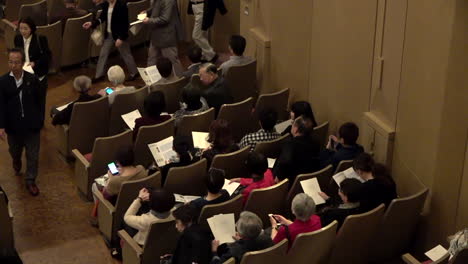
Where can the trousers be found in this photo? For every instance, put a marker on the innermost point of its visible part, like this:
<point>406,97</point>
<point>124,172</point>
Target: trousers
<point>124,51</point>
<point>31,142</point>
<point>201,36</point>
<point>171,53</point>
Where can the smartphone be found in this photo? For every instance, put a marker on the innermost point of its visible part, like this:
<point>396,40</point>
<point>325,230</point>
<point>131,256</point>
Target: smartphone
<point>109,90</point>
<point>113,168</point>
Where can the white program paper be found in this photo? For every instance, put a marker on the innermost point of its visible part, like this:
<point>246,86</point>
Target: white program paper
<point>346,174</point>
<point>162,151</point>
<point>149,75</point>
<point>130,118</point>
<point>271,162</point>
<point>436,253</point>
<point>230,187</point>
<point>142,16</point>
<point>280,127</point>
<point>223,227</point>
<point>60,108</point>
<point>199,140</point>
<point>312,188</point>
<point>28,68</point>
<point>184,198</point>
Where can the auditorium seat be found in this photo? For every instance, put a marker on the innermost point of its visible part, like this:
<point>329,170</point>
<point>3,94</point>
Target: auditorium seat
<point>89,120</point>
<point>53,32</point>
<point>355,237</point>
<point>151,134</point>
<point>460,258</point>
<point>198,122</point>
<point>268,200</point>
<point>242,81</point>
<point>271,148</point>
<point>272,255</point>
<point>172,93</point>
<point>313,247</point>
<point>230,261</point>
<point>12,8</point>
<point>234,205</point>
<point>123,104</point>
<point>240,118</point>
<point>7,244</point>
<point>135,8</point>
<point>103,152</point>
<point>343,165</point>
<point>162,239</point>
<point>232,163</point>
<point>320,134</point>
<point>56,7</point>
<point>74,39</point>
<point>36,11</point>
<point>110,217</point>
<point>277,101</point>
<point>9,33</point>
<point>187,180</point>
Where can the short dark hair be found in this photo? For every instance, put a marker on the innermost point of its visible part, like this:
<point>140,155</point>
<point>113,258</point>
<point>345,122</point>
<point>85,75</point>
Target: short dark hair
<point>268,118</point>
<point>303,108</point>
<point>364,162</point>
<point>195,54</point>
<point>303,125</point>
<point>187,214</point>
<point>16,50</point>
<point>349,132</point>
<point>191,96</point>
<point>215,180</point>
<point>220,135</point>
<point>164,66</point>
<point>256,163</point>
<point>161,201</point>
<point>28,21</point>
<point>125,156</point>
<point>237,44</point>
<point>182,146</point>
<point>154,104</point>
<point>351,188</point>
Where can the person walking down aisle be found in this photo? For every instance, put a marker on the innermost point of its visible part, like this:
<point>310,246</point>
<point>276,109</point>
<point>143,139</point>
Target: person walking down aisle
<point>204,12</point>
<point>115,15</point>
<point>21,116</point>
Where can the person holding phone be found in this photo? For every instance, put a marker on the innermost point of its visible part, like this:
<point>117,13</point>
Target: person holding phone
<point>116,77</point>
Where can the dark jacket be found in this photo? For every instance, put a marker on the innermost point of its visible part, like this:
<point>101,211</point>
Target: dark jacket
<point>199,203</point>
<point>39,53</point>
<point>338,214</point>
<point>193,246</point>
<point>63,117</point>
<point>10,105</point>
<point>375,192</point>
<point>240,247</point>
<point>217,94</point>
<point>119,20</point>
<point>341,153</point>
<point>209,12</point>
<point>298,155</point>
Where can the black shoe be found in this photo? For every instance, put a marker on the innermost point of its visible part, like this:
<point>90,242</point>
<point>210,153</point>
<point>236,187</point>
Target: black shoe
<point>32,188</point>
<point>131,78</point>
<point>17,167</point>
<point>98,79</point>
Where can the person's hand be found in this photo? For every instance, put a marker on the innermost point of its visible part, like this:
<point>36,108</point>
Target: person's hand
<point>32,64</point>
<point>324,195</point>
<point>234,180</point>
<point>102,92</point>
<point>273,221</point>
<point>236,236</point>
<point>330,139</point>
<point>144,195</point>
<point>214,246</point>
<point>118,43</point>
<point>2,134</point>
<point>87,25</point>
<point>281,219</point>
<point>165,256</point>
<point>146,20</point>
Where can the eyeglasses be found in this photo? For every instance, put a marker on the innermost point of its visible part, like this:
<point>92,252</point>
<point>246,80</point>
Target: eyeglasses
<point>15,62</point>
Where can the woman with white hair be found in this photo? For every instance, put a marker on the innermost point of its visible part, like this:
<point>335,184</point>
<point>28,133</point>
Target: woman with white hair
<point>81,84</point>
<point>249,237</point>
<point>303,207</point>
<point>116,77</point>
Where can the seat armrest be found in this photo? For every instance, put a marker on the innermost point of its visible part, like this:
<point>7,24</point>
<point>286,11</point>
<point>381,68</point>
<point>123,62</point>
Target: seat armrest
<point>6,22</point>
<point>409,259</point>
<point>131,251</point>
<point>80,158</point>
<point>106,212</point>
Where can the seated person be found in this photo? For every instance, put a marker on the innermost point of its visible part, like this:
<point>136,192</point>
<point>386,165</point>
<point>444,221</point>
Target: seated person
<point>81,84</point>
<point>116,76</point>
<point>216,193</point>
<point>192,103</point>
<point>249,237</point>
<point>195,56</point>
<point>236,49</point>
<point>182,145</point>
<point>71,11</point>
<point>298,154</point>
<point>268,120</point>
<point>216,92</point>
<point>194,243</point>
<point>161,202</point>
<point>349,192</point>
<point>220,139</point>
<point>303,208</point>
<point>260,175</point>
<point>378,187</point>
<point>154,105</point>
<point>342,148</point>
<point>300,108</point>
<point>164,66</point>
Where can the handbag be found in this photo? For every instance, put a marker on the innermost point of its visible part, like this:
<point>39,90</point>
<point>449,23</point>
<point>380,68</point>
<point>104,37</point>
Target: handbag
<point>97,36</point>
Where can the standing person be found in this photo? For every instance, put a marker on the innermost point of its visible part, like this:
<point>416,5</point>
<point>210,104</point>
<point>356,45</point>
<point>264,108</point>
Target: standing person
<point>166,30</point>
<point>36,50</point>
<point>21,116</point>
<point>115,15</point>
<point>204,12</point>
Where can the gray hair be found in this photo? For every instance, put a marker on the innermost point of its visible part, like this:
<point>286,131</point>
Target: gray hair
<point>249,225</point>
<point>303,207</point>
<point>116,75</point>
<point>82,83</point>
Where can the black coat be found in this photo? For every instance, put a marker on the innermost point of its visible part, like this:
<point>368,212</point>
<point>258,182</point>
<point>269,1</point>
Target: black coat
<point>119,20</point>
<point>39,52</point>
<point>10,105</point>
<point>193,246</point>
<point>209,11</point>
<point>217,94</point>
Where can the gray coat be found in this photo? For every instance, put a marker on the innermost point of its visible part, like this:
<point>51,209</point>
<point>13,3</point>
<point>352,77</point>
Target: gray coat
<point>164,23</point>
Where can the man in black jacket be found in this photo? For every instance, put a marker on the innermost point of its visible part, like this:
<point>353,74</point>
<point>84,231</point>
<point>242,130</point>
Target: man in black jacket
<point>21,116</point>
<point>216,92</point>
